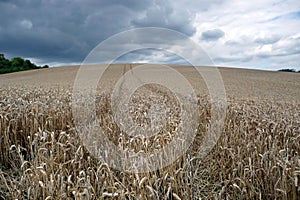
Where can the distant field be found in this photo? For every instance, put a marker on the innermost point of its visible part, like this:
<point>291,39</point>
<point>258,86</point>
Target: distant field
<point>256,157</point>
<point>242,83</point>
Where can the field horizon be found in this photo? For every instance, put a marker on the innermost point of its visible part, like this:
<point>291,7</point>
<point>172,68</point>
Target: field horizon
<point>250,83</point>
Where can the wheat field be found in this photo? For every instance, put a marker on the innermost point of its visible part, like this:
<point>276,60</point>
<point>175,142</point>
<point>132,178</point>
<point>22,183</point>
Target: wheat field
<point>256,157</point>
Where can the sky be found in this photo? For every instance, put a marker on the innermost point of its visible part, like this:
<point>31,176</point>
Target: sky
<point>234,33</point>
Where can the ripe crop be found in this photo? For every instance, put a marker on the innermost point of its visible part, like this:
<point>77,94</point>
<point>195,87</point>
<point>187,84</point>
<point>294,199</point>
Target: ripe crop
<point>42,157</point>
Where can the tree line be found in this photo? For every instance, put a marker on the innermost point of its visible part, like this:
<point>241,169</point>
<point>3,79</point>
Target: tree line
<point>288,70</point>
<point>16,64</point>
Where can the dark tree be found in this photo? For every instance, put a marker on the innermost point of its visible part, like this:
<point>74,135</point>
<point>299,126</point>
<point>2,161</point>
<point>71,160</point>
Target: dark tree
<point>287,70</point>
<point>16,64</point>
<point>4,63</point>
<point>2,56</point>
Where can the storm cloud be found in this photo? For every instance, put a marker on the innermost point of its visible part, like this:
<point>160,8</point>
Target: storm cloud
<point>255,34</point>
<point>66,31</point>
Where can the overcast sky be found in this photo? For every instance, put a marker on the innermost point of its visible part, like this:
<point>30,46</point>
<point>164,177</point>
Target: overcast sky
<point>261,34</point>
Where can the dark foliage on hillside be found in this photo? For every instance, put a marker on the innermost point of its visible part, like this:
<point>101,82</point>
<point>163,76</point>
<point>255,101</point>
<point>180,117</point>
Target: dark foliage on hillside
<point>16,64</point>
<point>288,70</point>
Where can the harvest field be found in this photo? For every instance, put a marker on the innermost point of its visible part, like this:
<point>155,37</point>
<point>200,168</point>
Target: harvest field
<point>256,157</point>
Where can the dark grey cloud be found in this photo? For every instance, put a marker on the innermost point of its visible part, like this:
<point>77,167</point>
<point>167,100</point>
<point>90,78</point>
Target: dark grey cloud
<point>162,14</point>
<point>66,31</point>
<point>212,35</point>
